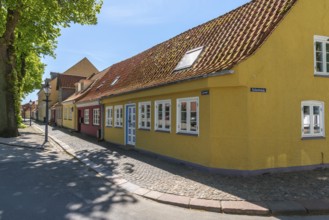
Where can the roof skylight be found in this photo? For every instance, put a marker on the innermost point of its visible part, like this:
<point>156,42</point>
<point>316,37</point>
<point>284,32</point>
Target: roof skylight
<point>115,80</point>
<point>189,58</point>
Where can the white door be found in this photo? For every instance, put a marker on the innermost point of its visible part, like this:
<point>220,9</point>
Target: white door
<point>131,125</point>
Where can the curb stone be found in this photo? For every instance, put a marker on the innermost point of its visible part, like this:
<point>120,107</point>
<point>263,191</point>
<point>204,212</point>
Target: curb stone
<point>229,207</point>
<point>286,208</point>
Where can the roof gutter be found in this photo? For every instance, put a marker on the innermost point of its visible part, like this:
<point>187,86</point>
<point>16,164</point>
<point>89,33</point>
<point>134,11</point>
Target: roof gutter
<point>218,73</point>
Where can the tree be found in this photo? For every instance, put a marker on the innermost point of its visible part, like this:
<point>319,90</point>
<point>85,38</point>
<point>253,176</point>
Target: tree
<point>28,31</point>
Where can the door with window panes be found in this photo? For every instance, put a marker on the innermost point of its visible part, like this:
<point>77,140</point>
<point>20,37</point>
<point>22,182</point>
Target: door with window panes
<point>131,125</point>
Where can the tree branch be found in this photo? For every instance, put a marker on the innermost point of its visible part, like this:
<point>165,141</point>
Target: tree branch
<point>11,23</point>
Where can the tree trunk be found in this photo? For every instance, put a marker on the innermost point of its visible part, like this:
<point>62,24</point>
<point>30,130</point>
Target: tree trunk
<point>8,123</point>
<point>8,77</point>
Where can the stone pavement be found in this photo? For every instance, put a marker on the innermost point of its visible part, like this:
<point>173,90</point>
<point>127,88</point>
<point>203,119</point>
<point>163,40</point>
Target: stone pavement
<point>297,193</point>
<point>29,137</point>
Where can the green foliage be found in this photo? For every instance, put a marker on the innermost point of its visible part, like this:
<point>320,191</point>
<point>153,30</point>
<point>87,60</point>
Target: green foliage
<point>20,122</point>
<point>34,35</point>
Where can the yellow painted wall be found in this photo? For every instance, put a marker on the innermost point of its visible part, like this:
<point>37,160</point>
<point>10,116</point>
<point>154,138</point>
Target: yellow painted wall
<point>242,130</point>
<point>183,147</point>
<point>83,68</point>
<point>67,123</point>
<point>53,99</point>
<point>285,66</point>
<point>41,105</point>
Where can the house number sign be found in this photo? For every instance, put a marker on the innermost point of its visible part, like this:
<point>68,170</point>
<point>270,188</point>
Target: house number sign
<point>205,92</point>
<point>257,89</point>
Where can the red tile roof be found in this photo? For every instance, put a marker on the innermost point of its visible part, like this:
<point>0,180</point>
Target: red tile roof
<point>76,96</point>
<point>67,81</point>
<point>226,41</point>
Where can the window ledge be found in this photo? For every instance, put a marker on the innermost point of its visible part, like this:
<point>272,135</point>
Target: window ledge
<point>325,75</point>
<point>109,126</point>
<point>144,129</point>
<point>313,138</point>
<point>187,134</point>
<point>162,131</point>
<point>118,127</point>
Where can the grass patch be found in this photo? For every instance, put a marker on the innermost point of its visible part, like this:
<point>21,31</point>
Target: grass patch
<point>21,125</point>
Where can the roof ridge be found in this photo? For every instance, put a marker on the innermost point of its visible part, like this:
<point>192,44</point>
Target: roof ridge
<point>228,39</point>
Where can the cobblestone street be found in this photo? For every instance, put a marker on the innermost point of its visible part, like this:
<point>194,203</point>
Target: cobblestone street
<point>163,176</point>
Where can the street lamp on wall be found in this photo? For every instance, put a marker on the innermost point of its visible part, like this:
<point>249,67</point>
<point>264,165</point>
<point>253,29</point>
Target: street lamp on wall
<point>30,112</point>
<point>47,91</point>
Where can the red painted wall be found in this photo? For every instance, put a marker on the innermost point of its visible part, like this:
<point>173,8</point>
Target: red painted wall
<point>90,129</point>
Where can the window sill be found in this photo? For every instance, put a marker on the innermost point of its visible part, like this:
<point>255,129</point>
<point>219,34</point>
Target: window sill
<point>325,75</point>
<point>187,134</point>
<point>118,127</point>
<point>162,131</point>
<point>144,129</point>
<point>109,126</point>
<point>313,138</point>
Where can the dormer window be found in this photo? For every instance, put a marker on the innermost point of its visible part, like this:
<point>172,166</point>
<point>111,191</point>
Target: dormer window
<point>77,87</point>
<point>115,80</point>
<point>189,58</point>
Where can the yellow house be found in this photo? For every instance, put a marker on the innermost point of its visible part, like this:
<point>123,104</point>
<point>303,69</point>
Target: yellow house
<point>245,93</point>
<point>52,99</point>
<point>62,86</point>
<point>70,112</point>
<point>65,87</point>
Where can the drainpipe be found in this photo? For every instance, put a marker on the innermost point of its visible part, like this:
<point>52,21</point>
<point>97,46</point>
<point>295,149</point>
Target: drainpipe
<point>102,121</point>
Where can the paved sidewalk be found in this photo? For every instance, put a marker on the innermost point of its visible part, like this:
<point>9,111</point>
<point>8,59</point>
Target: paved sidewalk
<point>297,193</point>
<point>29,137</point>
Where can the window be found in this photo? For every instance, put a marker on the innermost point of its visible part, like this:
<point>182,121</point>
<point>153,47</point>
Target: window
<point>144,115</point>
<point>96,116</point>
<point>163,115</point>
<point>189,58</point>
<point>115,80</point>
<point>313,119</point>
<point>86,116</point>
<point>321,55</point>
<point>118,116</point>
<point>70,113</point>
<point>188,115</point>
<point>65,113</point>
<point>109,116</point>
<point>59,113</point>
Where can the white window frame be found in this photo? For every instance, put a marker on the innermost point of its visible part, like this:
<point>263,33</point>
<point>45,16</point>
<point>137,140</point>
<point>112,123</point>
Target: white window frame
<point>109,116</point>
<point>156,120</point>
<point>144,119</point>
<point>324,41</point>
<point>96,116</point>
<point>188,116</point>
<point>115,80</point>
<point>311,104</point>
<point>86,116</point>
<point>181,64</point>
<point>118,116</point>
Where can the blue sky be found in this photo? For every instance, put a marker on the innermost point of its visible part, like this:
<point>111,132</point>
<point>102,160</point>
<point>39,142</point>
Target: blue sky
<point>128,27</point>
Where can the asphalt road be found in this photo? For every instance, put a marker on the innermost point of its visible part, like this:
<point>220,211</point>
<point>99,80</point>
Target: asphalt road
<point>50,185</point>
